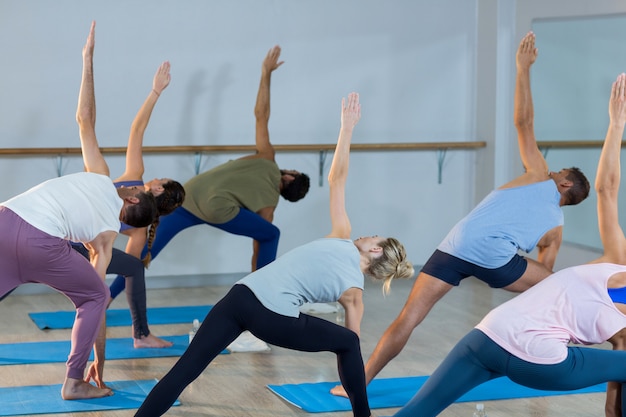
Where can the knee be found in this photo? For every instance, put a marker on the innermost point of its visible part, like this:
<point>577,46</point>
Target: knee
<point>350,341</point>
<point>273,233</point>
<point>100,295</point>
<point>134,269</point>
<point>104,294</point>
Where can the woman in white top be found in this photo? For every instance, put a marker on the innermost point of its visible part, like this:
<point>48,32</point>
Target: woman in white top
<point>527,338</point>
<point>36,228</point>
<point>267,301</point>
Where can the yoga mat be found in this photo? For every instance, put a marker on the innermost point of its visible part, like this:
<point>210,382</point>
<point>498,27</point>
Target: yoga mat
<point>57,351</point>
<point>395,392</point>
<point>46,399</point>
<point>121,317</point>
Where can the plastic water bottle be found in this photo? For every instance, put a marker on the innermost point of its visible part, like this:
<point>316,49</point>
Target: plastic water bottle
<point>341,314</point>
<point>480,411</point>
<point>194,328</point>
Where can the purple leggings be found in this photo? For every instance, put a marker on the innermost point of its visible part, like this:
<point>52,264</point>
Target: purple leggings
<point>28,255</point>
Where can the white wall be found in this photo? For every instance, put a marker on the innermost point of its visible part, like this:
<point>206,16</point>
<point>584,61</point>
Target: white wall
<point>426,71</point>
<point>413,62</point>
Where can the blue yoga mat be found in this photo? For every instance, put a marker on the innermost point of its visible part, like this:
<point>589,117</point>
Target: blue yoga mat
<point>395,392</point>
<point>121,317</point>
<point>57,351</point>
<point>46,399</point>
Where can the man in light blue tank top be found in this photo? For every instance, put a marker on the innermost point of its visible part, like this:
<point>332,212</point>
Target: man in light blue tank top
<point>522,214</point>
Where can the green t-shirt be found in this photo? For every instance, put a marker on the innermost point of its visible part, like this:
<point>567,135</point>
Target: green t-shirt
<point>215,196</point>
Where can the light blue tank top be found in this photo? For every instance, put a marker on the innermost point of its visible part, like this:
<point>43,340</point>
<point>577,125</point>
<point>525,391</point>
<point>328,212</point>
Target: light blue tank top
<point>317,272</point>
<point>505,221</point>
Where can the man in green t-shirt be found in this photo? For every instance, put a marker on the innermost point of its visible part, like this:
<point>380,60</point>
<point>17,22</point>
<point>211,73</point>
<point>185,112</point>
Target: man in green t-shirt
<point>240,196</point>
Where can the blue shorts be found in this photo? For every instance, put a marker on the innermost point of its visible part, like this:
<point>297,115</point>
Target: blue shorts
<point>452,270</point>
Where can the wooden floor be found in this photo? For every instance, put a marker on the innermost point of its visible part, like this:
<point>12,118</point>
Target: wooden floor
<point>234,385</point>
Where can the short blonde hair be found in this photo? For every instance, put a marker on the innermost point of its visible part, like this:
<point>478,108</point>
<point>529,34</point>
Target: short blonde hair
<point>391,264</point>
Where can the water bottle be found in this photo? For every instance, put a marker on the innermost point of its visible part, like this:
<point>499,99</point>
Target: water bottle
<point>194,328</point>
<point>480,411</point>
<point>341,314</point>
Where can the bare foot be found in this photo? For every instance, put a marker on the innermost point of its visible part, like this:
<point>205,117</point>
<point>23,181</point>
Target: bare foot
<point>151,341</point>
<point>77,389</point>
<point>339,391</point>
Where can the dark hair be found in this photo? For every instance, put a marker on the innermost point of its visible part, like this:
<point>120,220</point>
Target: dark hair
<point>579,189</point>
<point>142,214</point>
<point>172,197</point>
<point>297,188</point>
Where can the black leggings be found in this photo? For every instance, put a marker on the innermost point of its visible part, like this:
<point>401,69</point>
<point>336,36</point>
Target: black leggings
<point>133,270</point>
<point>240,310</point>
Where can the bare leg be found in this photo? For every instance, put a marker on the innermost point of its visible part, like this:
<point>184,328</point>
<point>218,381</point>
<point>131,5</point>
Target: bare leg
<point>535,272</point>
<point>426,291</point>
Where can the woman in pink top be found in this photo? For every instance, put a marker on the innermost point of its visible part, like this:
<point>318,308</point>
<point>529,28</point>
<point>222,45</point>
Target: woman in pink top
<point>528,338</point>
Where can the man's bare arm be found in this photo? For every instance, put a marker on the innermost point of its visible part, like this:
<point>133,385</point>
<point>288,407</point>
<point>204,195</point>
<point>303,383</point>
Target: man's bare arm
<point>86,112</point>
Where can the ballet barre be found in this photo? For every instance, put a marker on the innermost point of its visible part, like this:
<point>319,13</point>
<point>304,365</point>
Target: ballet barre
<point>199,151</point>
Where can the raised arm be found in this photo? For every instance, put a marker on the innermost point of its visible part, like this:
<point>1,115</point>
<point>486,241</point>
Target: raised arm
<point>338,174</point>
<point>532,158</point>
<point>608,177</point>
<point>134,155</point>
<point>86,112</point>
<point>612,236</point>
<point>262,108</point>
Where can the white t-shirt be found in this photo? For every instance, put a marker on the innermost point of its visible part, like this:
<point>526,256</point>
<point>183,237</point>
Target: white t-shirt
<point>570,306</point>
<point>77,207</point>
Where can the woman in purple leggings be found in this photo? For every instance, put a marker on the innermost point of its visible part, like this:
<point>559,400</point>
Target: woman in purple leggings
<point>37,226</point>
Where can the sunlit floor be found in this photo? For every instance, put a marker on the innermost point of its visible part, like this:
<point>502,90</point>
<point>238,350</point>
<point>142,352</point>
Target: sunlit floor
<point>235,384</point>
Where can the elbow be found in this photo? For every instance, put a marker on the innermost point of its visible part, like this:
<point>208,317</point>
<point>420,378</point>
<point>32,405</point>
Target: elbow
<point>84,117</point>
<point>523,123</point>
<point>261,116</point>
<point>607,187</point>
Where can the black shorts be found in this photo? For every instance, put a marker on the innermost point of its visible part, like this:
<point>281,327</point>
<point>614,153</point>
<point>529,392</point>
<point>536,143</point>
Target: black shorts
<point>452,270</point>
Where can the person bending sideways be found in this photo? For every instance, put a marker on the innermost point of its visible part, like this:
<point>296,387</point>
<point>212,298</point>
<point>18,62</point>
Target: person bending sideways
<point>37,227</point>
<point>169,194</point>
<point>267,301</point>
<point>532,338</point>
<point>522,214</point>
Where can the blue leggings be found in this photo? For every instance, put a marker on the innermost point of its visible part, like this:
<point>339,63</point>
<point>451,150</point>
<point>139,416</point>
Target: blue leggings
<point>240,310</point>
<point>477,359</point>
<point>246,223</point>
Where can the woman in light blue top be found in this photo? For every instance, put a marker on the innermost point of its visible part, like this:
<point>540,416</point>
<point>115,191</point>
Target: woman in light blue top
<point>267,301</point>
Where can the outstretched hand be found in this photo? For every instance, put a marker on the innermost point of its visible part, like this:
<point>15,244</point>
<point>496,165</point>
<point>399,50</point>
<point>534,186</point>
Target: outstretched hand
<point>617,103</point>
<point>351,111</point>
<point>95,373</point>
<point>91,40</point>
<point>271,62</point>
<point>161,78</point>
<point>526,52</point>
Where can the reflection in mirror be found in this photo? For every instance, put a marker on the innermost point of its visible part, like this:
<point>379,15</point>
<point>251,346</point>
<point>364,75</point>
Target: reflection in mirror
<point>578,60</point>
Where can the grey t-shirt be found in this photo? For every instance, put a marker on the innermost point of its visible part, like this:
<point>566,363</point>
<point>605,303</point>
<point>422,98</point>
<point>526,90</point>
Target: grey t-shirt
<point>319,271</point>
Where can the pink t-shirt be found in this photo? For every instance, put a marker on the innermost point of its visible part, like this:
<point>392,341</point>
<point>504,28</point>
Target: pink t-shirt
<point>570,306</point>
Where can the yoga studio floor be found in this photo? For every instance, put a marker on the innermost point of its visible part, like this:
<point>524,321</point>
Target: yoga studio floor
<point>235,384</point>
